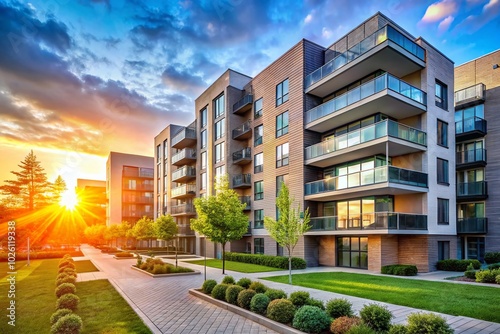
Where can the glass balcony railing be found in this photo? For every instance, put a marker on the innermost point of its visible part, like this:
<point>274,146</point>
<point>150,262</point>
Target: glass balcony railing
<point>368,177</point>
<point>246,200</point>
<point>371,221</point>
<point>186,189</point>
<point>245,128</point>
<point>385,33</point>
<point>470,94</point>
<point>187,153</point>
<point>185,230</point>
<point>471,156</point>
<point>471,124</point>
<point>385,81</point>
<point>366,134</point>
<point>183,209</point>
<point>466,189</point>
<point>186,133</point>
<point>242,180</point>
<point>472,225</point>
<point>244,104</point>
<point>186,171</point>
<point>244,154</point>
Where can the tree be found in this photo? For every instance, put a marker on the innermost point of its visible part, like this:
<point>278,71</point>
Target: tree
<point>123,230</point>
<point>30,187</point>
<point>143,229</point>
<point>165,228</point>
<point>289,227</point>
<point>95,234</point>
<point>113,232</point>
<point>220,217</point>
<point>58,187</point>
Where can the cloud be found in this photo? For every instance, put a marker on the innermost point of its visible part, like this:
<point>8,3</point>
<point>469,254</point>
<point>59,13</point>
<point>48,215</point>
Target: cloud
<point>439,10</point>
<point>445,24</point>
<point>473,23</point>
<point>308,18</point>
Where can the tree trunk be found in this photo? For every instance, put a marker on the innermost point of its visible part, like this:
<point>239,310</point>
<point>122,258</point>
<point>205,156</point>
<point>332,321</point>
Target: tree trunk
<point>289,268</point>
<point>176,250</point>
<point>223,259</point>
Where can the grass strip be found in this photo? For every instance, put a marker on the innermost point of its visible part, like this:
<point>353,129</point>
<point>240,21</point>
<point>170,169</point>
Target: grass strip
<point>235,266</point>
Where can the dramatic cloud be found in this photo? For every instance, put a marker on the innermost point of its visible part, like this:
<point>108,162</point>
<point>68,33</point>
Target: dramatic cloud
<point>439,10</point>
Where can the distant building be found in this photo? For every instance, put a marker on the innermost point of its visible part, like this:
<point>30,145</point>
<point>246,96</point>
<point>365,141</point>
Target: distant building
<point>129,187</point>
<point>92,201</point>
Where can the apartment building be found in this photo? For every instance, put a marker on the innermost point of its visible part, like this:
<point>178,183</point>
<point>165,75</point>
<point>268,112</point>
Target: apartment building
<point>129,187</point>
<point>477,100</point>
<point>91,196</point>
<point>360,131</point>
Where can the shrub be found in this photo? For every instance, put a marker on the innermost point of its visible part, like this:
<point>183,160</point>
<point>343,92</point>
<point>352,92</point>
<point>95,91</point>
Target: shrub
<point>69,301</point>
<point>139,261</point>
<point>492,257</point>
<point>398,329</point>
<point>316,302</point>
<point>258,287</point>
<point>457,265</point>
<point>311,319</point>
<point>67,264</point>
<point>497,279</point>
<point>67,279</point>
<point>470,272</point>
<point>494,266</point>
<point>281,310</point>
<point>69,324</point>
<point>266,260</point>
<point>361,329</point>
<point>427,323</point>
<point>259,303</point>
<point>64,275</point>
<point>244,282</point>
<point>59,314</point>
<point>376,316</point>
<point>343,324</point>
<point>208,286</point>
<point>124,254</point>
<point>400,270</point>
<point>174,270</point>
<point>487,276</point>
<point>64,289</point>
<point>275,294</point>
<point>339,307</point>
<point>219,291</point>
<point>299,298</point>
<point>66,269</point>
<point>245,298</point>
<point>159,269</point>
<point>232,293</point>
<point>4,256</point>
<point>228,280</point>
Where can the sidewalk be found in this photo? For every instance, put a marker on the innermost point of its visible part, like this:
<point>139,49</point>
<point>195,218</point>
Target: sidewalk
<point>166,307</point>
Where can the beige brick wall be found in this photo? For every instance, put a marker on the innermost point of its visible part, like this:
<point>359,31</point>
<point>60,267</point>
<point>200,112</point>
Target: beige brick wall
<point>327,251</point>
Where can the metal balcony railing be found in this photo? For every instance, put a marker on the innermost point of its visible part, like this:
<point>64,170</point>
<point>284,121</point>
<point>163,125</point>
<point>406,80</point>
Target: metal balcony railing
<point>244,154</point>
<point>471,156</point>
<point>242,180</point>
<point>243,129</point>
<point>186,171</point>
<point>472,225</point>
<point>187,153</point>
<point>472,189</point>
<point>186,133</point>
<point>470,94</point>
<point>244,104</point>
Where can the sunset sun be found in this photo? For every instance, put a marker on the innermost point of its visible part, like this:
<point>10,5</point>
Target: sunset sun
<point>68,200</point>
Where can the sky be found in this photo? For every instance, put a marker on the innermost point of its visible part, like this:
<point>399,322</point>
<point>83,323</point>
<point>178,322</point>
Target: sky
<point>79,78</point>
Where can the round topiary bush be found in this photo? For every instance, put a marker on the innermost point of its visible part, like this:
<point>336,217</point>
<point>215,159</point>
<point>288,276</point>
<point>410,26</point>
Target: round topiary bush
<point>343,324</point>
<point>64,275</point>
<point>245,297</point>
<point>299,298</point>
<point>259,303</point>
<point>232,293</point>
<point>69,324</point>
<point>339,307</point>
<point>67,264</point>
<point>376,316</point>
<point>244,282</point>
<point>427,323</point>
<point>59,314</point>
<point>258,287</point>
<point>208,286</point>
<point>275,294</point>
<point>67,279</point>
<point>398,329</point>
<point>311,319</point>
<point>64,289</point>
<point>66,259</point>
<point>281,310</point>
<point>66,269</point>
<point>228,280</point>
<point>316,302</point>
<point>69,301</point>
<point>219,291</point>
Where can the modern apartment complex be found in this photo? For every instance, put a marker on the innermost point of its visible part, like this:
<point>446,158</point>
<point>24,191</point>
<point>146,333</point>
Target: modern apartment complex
<point>360,131</point>
<point>129,187</point>
<point>477,100</point>
<point>92,200</point>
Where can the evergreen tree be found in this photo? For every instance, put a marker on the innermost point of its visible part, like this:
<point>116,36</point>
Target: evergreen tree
<point>58,187</point>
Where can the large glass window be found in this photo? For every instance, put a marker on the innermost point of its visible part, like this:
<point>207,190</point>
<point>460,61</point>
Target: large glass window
<point>165,149</point>
<point>470,182</point>
<point>279,182</point>
<point>442,133</point>
<point>282,155</point>
<point>220,171</point>
<point>258,163</point>
<point>219,106</point>
<point>203,117</point>
<point>443,176</point>
<point>258,219</point>
<point>258,108</point>
<point>258,190</point>
<point>441,95</point>
<point>220,152</point>
<point>475,248</point>
<point>204,160</point>
<point>352,252</point>
<point>282,92</point>
<point>203,181</point>
<point>158,153</point>
<point>203,138</point>
<point>282,124</point>
<point>220,129</point>
<point>443,250</point>
<point>258,135</point>
<point>258,246</point>
<point>443,211</point>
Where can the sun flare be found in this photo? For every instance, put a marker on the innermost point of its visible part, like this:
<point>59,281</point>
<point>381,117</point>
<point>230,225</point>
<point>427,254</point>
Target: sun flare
<point>68,200</point>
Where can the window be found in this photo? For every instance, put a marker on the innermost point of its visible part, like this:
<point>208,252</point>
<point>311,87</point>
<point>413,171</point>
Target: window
<point>282,92</point>
<point>258,108</point>
<point>220,128</point>
<point>258,135</point>
<point>282,155</point>
<point>258,163</point>
<point>203,138</point>
<point>441,95</point>
<point>203,181</point>
<point>219,106</point>
<point>442,133</point>
<point>279,182</point>
<point>442,172</point>
<point>258,219</point>
<point>470,119</point>
<point>443,211</point>
<point>165,168</point>
<point>203,117</point>
<point>258,246</point>
<point>219,152</point>
<point>158,153</point>
<point>282,124</point>
<point>204,160</point>
<point>443,250</point>
<point>220,171</point>
<point>258,190</point>
<point>165,149</point>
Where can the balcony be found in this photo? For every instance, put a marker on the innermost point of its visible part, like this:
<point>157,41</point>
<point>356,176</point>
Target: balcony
<point>248,201</point>
<point>395,97</point>
<point>386,49</point>
<point>471,158</point>
<point>242,181</point>
<point>243,105</point>
<point>138,199</point>
<point>243,156</point>
<point>184,174</point>
<point>249,230</point>
<point>186,137</point>
<point>137,214</point>
<point>384,222</point>
<point>470,128</point>
<point>371,182</point>
<point>185,230</point>
<point>471,191</point>
<point>369,140</point>
<point>244,131</point>
<point>184,191</point>
<point>183,210</point>
<point>472,225</point>
<point>470,96</point>
<point>184,157</point>
<point>141,187</point>
<point>138,172</point>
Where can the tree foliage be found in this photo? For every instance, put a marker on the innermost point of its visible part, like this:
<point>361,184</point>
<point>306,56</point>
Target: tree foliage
<point>94,234</point>
<point>165,228</point>
<point>143,229</point>
<point>58,187</point>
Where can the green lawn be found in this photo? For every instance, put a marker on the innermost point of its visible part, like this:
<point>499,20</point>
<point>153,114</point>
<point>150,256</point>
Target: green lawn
<point>85,266</point>
<point>235,266</point>
<point>102,309</point>
<point>469,300</point>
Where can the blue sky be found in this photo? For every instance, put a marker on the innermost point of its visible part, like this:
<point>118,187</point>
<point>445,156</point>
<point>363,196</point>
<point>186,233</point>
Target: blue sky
<point>81,78</point>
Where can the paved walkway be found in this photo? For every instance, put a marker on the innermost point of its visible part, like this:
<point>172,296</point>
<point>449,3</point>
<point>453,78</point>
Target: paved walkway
<point>166,307</point>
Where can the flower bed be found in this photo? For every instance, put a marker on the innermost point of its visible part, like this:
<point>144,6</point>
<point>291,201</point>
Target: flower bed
<point>157,268</point>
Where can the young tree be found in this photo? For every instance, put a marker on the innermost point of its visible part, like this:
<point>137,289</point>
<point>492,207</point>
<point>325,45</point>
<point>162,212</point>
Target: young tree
<point>94,234</point>
<point>58,187</point>
<point>143,229</point>
<point>289,227</point>
<point>220,217</point>
<point>113,232</point>
<point>123,230</point>
<point>165,228</point>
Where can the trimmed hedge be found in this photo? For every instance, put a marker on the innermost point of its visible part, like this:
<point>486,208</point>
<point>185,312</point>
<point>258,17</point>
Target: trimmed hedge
<point>124,254</point>
<point>244,282</point>
<point>219,291</point>
<point>69,301</point>
<point>232,293</point>
<point>259,303</point>
<point>376,316</point>
<point>339,307</point>
<point>258,287</point>
<point>208,286</point>
<point>228,280</point>
<point>266,260</point>
<point>299,298</point>
<point>492,257</point>
<point>275,294</point>
<point>64,289</point>
<point>457,265</point>
<point>4,256</point>
<point>400,270</point>
<point>59,314</point>
<point>311,319</point>
<point>69,324</point>
<point>245,298</point>
<point>281,310</point>
<point>427,323</point>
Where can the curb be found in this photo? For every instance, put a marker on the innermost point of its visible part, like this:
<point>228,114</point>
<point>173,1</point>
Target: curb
<point>165,275</point>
